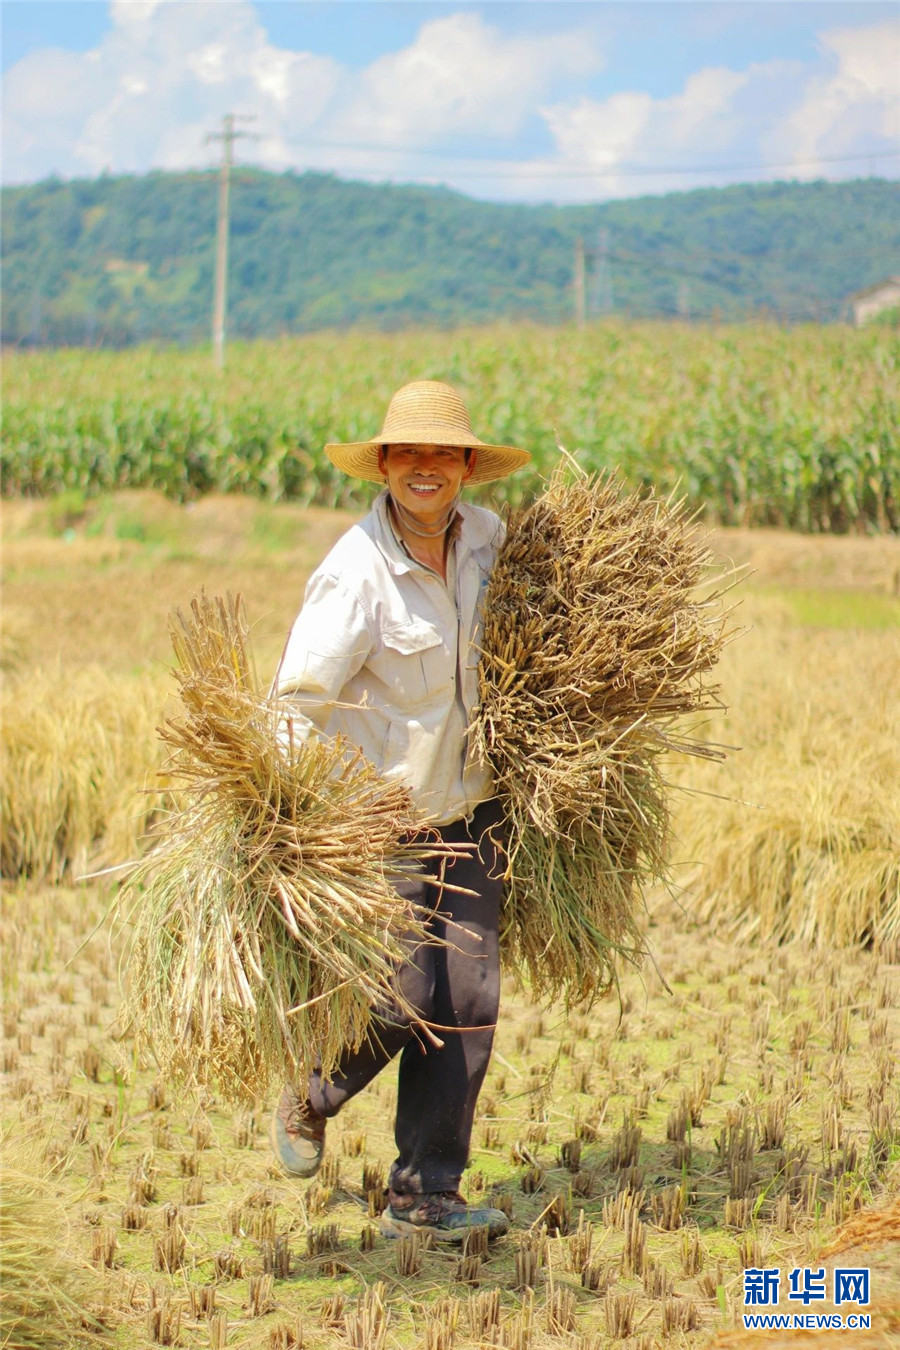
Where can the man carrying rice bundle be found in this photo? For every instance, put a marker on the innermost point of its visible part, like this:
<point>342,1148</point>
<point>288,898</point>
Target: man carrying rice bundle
<point>385,653</point>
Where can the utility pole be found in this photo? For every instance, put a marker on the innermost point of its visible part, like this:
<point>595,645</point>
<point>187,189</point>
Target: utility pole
<point>684,300</point>
<point>578,282</point>
<point>37,313</point>
<point>602,279</point>
<point>227,136</point>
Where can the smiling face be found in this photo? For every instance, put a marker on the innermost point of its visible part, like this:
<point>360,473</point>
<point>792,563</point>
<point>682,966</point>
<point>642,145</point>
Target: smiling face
<point>425,479</point>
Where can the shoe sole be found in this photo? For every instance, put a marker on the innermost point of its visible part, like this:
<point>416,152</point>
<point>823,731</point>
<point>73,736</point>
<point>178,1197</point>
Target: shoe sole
<point>396,1228</point>
<point>303,1174</point>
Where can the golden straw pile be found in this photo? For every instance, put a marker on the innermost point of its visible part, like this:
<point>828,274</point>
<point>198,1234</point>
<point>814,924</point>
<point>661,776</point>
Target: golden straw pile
<point>266,925</point>
<point>595,643</point>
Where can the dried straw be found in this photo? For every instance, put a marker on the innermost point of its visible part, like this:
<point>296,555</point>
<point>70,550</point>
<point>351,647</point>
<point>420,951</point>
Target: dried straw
<point>75,750</point>
<point>595,643</point>
<point>802,841</point>
<point>266,923</point>
<point>46,1290</point>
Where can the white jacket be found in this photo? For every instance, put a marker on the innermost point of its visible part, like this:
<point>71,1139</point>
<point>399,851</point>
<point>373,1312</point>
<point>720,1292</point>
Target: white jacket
<point>383,653</point>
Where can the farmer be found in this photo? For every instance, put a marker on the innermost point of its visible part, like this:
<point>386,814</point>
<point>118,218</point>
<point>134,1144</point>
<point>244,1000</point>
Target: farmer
<point>385,651</point>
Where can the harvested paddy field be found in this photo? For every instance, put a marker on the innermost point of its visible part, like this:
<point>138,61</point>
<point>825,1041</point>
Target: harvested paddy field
<point>649,1150</point>
<point>646,1158</point>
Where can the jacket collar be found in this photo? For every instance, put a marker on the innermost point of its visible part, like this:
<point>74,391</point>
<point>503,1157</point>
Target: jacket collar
<point>476,530</point>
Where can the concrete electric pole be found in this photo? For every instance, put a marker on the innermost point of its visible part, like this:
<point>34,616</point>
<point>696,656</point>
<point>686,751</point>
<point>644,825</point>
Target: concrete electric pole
<point>228,135</point>
<point>603,300</point>
<point>578,282</point>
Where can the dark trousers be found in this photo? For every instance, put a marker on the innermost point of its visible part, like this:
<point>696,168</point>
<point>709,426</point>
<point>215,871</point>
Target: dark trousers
<point>456,989</point>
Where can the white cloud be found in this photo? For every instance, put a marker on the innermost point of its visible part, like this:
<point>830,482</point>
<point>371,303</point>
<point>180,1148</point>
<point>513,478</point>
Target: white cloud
<point>705,109</point>
<point>166,72</point>
<point>599,133</point>
<point>210,63</point>
<point>130,13</point>
<point>148,94</point>
<point>619,135</point>
<point>781,114</point>
<point>856,103</point>
<point>169,69</point>
<point>461,77</point>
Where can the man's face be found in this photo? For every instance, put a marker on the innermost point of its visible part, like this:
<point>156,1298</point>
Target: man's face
<point>425,479</point>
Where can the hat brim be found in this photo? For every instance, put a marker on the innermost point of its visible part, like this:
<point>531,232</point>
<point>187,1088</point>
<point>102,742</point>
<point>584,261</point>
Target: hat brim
<point>359,459</point>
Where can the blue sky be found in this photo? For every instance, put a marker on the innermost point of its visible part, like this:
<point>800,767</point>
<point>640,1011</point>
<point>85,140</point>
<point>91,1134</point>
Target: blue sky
<point>509,101</point>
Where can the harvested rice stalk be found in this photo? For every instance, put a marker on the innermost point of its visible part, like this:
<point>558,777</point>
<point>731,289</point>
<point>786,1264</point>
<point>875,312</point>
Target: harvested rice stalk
<point>73,752</point>
<point>595,642</point>
<point>820,862</point>
<point>46,1291</point>
<point>266,923</point>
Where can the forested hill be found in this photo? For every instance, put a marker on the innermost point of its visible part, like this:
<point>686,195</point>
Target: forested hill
<point>127,259</point>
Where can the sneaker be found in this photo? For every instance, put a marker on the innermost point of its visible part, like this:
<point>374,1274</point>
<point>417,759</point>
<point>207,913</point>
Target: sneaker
<point>445,1215</point>
<point>297,1135</point>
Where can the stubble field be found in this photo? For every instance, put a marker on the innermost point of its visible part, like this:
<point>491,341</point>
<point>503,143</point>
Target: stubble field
<point>648,1153</point>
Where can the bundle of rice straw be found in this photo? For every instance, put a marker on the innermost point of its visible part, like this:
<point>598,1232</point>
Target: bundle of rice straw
<point>266,925</point>
<point>595,642</point>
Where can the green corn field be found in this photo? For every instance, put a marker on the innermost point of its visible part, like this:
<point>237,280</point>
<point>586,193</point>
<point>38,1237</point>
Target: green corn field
<point>755,425</point>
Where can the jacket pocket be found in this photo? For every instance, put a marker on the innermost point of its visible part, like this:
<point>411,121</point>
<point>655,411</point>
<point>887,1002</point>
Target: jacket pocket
<point>416,665</point>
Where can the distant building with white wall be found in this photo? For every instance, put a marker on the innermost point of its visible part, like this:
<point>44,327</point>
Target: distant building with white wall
<point>864,305</point>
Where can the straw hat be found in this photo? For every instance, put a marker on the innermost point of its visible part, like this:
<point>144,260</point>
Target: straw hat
<point>426,412</point>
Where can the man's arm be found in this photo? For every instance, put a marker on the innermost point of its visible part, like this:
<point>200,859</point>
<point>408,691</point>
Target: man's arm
<point>328,644</point>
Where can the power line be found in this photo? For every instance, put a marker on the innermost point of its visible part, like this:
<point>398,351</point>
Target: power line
<point>628,169</point>
<point>690,267</point>
<point>663,268</point>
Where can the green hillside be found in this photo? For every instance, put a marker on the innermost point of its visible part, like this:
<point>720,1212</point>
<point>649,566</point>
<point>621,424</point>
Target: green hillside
<point>113,261</point>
